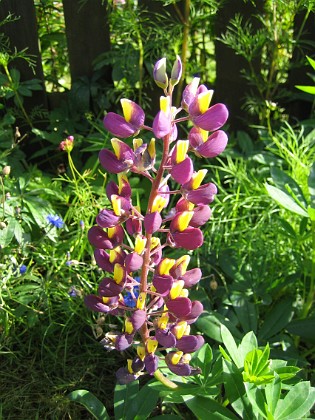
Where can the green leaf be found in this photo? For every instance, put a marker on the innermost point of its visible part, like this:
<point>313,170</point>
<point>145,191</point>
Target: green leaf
<point>272,393</point>
<point>125,403</point>
<point>235,390</point>
<point>256,399</point>
<point>203,358</point>
<point>145,403</point>
<point>311,61</point>
<point>288,185</point>
<point>303,328</point>
<point>256,366</point>
<point>231,346</point>
<point>246,312</point>
<point>204,408</point>
<point>285,200</point>
<point>7,234</point>
<point>210,325</point>
<point>167,417</point>
<point>297,403</point>
<point>248,344</point>
<point>90,402</point>
<point>277,319</point>
<point>286,372</point>
<point>307,89</point>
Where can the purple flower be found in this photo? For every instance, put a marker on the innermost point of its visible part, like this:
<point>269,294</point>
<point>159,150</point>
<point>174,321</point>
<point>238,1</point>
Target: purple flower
<point>129,124</point>
<point>157,312</point>
<point>55,220</point>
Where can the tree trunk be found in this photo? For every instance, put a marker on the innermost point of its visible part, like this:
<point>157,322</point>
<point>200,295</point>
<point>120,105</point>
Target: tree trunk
<point>231,86</point>
<point>87,32</point>
<point>22,34</point>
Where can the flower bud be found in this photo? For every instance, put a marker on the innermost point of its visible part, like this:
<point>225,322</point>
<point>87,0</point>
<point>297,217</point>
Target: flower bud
<point>176,71</point>
<point>67,144</point>
<point>2,225</point>
<point>6,170</point>
<point>159,73</point>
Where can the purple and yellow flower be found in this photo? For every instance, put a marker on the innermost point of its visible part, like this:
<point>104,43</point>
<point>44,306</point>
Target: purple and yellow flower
<point>129,242</point>
<point>128,125</point>
<point>204,146</point>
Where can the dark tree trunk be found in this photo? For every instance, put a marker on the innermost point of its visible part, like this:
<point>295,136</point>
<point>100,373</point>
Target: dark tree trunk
<point>231,86</point>
<point>87,32</point>
<point>22,34</point>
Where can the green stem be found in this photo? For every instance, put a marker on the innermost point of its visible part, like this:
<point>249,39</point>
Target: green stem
<point>3,196</point>
<point>163,379</point>
<point>184,52</point>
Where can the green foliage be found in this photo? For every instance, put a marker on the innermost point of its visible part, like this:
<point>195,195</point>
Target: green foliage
<point>267,41</point>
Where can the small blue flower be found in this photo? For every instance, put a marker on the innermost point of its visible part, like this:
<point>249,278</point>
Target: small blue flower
<point>23,269</point>
<point>129,300</point>
<point>55,220</point>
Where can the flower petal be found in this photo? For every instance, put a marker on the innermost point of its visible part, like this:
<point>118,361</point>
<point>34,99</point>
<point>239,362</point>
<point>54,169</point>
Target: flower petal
<point>213,119</point>
<point>165,338</point>
<point>123,341</point>
<point>161,125</point>
<point>163,284</point>
<point>109,288</point>
<point>138,318</point>
<point>133,262</point>
<point>203,195</point>
<point>192,277</point>
<point>152,222</point>
<point>102,260</point>
<point>190,238</point>
<point>99,239</point>
<point>215,145</point>
<point>151,363</point>
<point>118,126</point>
<point>182,172</point>
<point>180,307</point>
<point>96,304</point>
<point>107,218</point>
<point>111,164</point>
<point>190,343</point>
<point>202,214</point>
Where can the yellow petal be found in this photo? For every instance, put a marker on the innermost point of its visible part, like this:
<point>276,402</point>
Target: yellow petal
<point>176,357</point>
<point>141,300</point>
<point>151,344</point>
<point>127,108</point>
<point>180,329</point>
<point>165,266</point>
<point>198,178</point>
<point>204,99</point>
<point>176,289</point>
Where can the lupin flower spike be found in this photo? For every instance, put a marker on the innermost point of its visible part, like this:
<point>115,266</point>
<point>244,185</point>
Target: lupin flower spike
<point>149,290</point>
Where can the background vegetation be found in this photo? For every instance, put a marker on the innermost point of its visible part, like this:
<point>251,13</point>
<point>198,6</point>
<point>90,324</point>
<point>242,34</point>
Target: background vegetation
<point>258,259</point>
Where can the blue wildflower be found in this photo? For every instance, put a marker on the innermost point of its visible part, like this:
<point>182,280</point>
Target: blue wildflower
<point>129,300</point>
<point>73,292</point>
<point>55,220</point>
<point>23,269</point>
